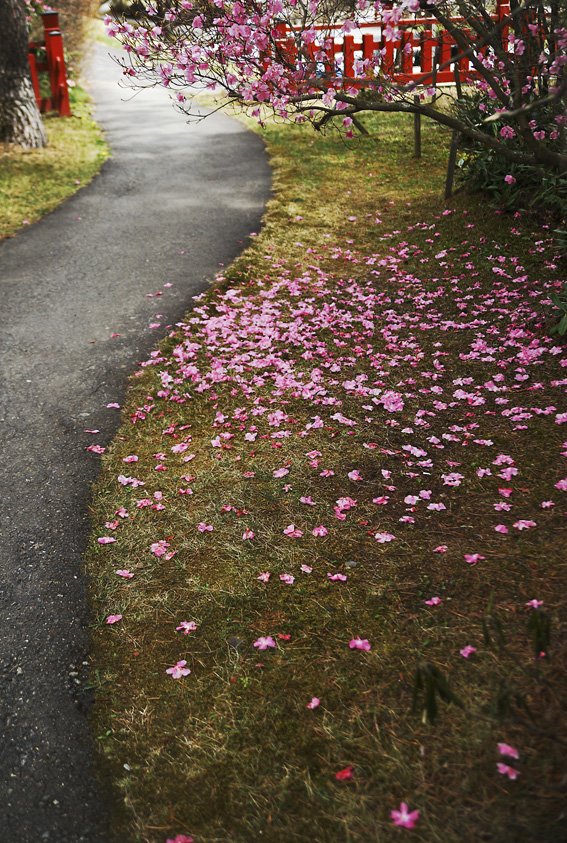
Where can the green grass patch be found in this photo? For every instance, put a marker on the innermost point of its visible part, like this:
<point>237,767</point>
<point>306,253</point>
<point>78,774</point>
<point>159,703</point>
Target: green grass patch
<point>34,182</point>
<point>361,283</point>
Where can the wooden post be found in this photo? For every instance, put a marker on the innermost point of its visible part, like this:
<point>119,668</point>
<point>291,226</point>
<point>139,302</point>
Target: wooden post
<point>451,164</point>
<point>57,72</point>
<point>416,129</point>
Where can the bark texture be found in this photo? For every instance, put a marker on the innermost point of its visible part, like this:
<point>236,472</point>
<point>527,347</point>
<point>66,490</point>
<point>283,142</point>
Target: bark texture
<point>20,120</point>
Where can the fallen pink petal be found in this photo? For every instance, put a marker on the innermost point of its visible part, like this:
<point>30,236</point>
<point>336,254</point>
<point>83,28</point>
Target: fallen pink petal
<point>404,817</point>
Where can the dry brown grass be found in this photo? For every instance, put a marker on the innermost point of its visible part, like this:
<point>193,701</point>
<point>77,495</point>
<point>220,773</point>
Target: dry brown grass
<point>230,753</point>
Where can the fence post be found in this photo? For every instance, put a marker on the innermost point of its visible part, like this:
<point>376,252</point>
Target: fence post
<point>57,73</point>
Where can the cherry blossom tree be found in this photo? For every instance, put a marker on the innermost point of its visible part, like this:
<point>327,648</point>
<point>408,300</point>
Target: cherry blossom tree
<point>316,60</point>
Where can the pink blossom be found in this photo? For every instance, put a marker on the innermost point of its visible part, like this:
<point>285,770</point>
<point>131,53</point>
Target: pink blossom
<point>179,670</point>
<point>547,504</point>
<point>354,475</point>
<point>306,569</point>
<point>114,618</point>
<point>534,604</point>
<point>203,528</point>
<point>404,817</point>
<point>434,601</point>
<point>320,531</point>
<point>441,548</point>
<point>473,558</point>
<point>158,548</point>
<point>248,534</point>
<point>509,179</point>
<point>505,770</point>
<point>383,537</point>
<point>561,418</point>
<point>179,838</point>
<point>264,643</point>
<point>308,500</point>
<point>287,578</point>
<point>506,749</point>
<point>453,479</point>
<point>186,627</point>
<point>280,472</point>
<point>342,775</point>
<point>506,492</point>
<point>336,577</point>
<point>392,401</point>
<point>359,644</point>
<point>264,576</point>
<point>106,540</point>
<point>327,473</point>
<point>131,458</point>
<point>467,651</point>
<point>501,528</point>
<point>292,531</point>
<point>315,701</point>
<point>524,525</point>
<point>562,485</point>
<point>125,573</point>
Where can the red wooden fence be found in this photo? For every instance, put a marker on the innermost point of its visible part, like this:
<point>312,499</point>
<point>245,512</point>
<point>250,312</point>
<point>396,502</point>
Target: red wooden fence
<point>54,65</point>
<point>424,46</point>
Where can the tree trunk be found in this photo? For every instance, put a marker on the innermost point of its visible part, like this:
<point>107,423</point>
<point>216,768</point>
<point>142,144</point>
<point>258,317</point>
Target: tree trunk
<point>20,121</point>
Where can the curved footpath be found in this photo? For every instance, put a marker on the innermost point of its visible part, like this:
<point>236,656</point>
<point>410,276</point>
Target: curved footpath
<point>172,204</point>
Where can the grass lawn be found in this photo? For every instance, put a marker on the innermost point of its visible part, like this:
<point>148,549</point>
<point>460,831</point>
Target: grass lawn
<point>344,470</point>
<point>34,182</point>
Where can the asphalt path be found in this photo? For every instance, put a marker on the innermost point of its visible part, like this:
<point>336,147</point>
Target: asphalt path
<point>172,205</point>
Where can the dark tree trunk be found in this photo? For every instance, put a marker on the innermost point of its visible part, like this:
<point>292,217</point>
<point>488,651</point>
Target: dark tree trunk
<point>20,121</point>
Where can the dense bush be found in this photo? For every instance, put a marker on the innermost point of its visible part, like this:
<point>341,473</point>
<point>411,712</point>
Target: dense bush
<point>515,186</point>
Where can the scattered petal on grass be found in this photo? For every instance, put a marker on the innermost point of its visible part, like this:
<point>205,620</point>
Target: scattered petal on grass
<point>204,528</point>
<point>125,573</point>
<point>441,548</point>
<point>473,558</point>
<point>287,578</point>
<point>248,534</point>
<point>180,838</point>
<point>434,601</point>
<point>306,569</point>
<point>292,531</point>
<point>320,531</point>
<point>523,524</point>
<point>534,604</point>
<point>264,576</point>
<point>501,528</point>
<point>359,644</point>
<point>336,577</point>
<point>505,770</point>
<point>315,701</point>
<point>467,651</point>
<point>106,540</point>
<point>404,817</point>
<point>158,548</point>
<point>342,775</point>
<point>179,670</point>
<point>506,749</point>
<point>264,642</point>
<point>186,627</point>
<point>114,618</point>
